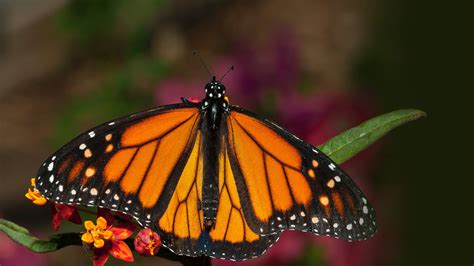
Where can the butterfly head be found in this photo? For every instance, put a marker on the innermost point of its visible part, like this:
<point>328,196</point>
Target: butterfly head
<point>215,89</point>
<point>215,95</point>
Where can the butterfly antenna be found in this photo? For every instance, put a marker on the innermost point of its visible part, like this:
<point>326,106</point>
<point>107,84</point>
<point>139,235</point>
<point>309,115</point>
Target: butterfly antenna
<point>203,63</point>
<point>225,74</point>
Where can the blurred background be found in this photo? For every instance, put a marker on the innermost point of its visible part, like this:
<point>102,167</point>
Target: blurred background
<point>316,67</point>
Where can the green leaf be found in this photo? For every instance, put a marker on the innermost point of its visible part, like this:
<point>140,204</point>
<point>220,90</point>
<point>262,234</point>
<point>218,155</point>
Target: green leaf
<point>23,237</point>
<point>347,144</point>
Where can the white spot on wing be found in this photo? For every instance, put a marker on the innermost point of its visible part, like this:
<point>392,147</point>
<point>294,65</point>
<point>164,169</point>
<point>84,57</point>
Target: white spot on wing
<point>82,146</point>
<point>365,209</point>
<point>50,166</point>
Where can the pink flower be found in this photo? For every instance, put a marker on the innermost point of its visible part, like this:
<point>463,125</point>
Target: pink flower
<point>147,242</point>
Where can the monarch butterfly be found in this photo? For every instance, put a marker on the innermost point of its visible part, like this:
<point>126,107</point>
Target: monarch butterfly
<point>209,177</point>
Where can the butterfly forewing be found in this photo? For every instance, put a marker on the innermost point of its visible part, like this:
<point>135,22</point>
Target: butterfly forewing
<point>124,165</point>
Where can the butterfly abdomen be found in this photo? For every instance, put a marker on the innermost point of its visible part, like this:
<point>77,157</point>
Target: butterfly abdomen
<point>211,142</point>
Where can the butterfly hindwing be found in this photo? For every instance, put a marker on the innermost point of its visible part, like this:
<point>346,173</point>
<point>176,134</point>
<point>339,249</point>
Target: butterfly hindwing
<point>231,230</point>
<point>288,184</point>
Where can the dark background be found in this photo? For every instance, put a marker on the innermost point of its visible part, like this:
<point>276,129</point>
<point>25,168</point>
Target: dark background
<point>68,65</point>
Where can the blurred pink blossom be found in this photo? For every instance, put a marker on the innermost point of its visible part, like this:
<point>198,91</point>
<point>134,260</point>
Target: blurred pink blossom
<point>171,90</point>
<point>14,254</point>
<point>324,114</point>
<point>257,72</point>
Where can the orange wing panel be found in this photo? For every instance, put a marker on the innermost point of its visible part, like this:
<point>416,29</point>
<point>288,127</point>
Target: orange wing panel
<point>117,164</point>
<point>181,222</point>
<point>187,179</point>
<point>235,230</point>
<point>170,149</point>
<point>64,165</point>
<point>135,173</point>
<point>182,216</point>
<point>195,225</point>
<point>223,212</point>
<point>269,140</point>
<point>300,185</point>
<point>250,235</point>
<point>282,200</point>
<point>166,221</point>
<point>155,126</point>
<point>250,158</point>
<point>76,169</point>
<point>338,203</point>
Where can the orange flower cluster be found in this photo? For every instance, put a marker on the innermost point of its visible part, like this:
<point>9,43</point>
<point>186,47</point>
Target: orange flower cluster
<point>34,195</point>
